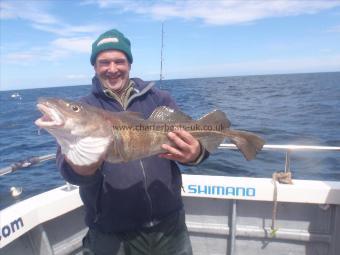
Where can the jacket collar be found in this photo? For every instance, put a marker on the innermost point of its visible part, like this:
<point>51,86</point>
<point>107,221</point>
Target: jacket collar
<point>140,88</point>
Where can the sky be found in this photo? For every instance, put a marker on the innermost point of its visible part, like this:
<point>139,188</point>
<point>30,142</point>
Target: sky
<point>47,43</point>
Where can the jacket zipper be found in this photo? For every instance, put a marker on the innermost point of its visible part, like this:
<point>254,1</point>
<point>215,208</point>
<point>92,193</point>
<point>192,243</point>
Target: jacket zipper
<point>146,189</point>
<point>97,209</point>
<point>142,165</point>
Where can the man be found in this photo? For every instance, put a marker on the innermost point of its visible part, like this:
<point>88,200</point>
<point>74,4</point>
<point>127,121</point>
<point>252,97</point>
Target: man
<point>137,204</point>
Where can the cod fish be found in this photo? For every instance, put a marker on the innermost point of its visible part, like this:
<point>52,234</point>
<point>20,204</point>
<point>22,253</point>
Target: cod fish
<point>86,133</point>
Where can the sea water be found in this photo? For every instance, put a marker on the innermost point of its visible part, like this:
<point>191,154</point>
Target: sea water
<point>299,109</point>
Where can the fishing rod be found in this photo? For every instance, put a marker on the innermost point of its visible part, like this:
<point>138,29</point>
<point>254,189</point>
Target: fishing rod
<point>162,46</point>
<point>26,163</point>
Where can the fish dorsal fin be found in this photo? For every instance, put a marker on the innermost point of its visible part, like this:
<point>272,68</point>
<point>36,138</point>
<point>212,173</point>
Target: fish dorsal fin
<point>164,113</point>
<point>216,118</point>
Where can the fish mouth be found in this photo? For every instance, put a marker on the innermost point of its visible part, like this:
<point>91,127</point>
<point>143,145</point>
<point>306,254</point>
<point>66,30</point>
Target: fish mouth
<point>51,117</point>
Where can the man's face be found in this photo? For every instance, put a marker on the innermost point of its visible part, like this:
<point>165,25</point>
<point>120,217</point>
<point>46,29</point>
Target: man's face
<point>112,68</point>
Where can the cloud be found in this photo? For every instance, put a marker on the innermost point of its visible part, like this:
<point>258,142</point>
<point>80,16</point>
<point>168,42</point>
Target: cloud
<point>109,3</point>
<point>80,45</point>
<point>33,55</point>
<point>334,29</point>
<point>20,56</point>
<point>71,38</point>
<point>220,12</point>
<point>67,30</point>
<point>57,49</point>
<point>78,77</point>
<point>34,11</point>
<point>326,63</point>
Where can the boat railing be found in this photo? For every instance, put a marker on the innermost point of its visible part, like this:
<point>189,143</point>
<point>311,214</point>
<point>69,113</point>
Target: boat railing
<point>287,149</point>
<point>25,163</point>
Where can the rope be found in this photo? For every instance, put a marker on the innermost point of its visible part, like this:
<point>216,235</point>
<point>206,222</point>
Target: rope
<point>283,178</point>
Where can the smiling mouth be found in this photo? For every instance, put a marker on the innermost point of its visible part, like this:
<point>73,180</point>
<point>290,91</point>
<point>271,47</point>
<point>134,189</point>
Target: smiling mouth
<point>50,118</point>
<point>114,78</point>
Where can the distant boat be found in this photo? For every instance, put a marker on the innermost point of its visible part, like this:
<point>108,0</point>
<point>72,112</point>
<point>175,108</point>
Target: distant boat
<point>16,95</point>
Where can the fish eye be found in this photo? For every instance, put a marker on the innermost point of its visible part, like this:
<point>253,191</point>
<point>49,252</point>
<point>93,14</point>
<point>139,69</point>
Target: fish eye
<point>75,108</point>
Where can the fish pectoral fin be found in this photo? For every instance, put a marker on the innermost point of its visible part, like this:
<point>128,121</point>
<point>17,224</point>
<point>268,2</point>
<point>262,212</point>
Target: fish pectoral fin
<point>119,147</point>
<point>112,155</point>
<point>164,113</point>
<point>87,151</point>
<point>249,144</point>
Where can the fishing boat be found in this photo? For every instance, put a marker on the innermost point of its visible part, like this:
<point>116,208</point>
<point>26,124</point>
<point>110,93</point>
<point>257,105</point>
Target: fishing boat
<point>224,215</point>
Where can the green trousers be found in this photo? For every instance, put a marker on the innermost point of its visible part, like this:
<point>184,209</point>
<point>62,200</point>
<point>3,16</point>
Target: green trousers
<point>169,237</point>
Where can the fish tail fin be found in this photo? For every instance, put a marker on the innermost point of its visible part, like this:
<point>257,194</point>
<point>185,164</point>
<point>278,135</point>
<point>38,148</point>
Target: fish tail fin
<point>248,143</point>
<point>217,121</point>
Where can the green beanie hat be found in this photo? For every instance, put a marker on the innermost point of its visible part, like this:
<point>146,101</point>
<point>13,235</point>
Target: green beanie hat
<point>111,40</point>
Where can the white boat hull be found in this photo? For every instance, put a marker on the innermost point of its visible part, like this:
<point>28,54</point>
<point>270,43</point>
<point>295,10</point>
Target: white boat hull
<point>224,215</point>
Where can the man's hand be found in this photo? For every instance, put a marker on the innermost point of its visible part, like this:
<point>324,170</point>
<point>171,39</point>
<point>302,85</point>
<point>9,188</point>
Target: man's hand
<point>86,169</point>
<point>187,148</point>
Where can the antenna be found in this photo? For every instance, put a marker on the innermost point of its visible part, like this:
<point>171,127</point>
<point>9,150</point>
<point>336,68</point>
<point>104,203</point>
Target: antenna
<point>161,71</point>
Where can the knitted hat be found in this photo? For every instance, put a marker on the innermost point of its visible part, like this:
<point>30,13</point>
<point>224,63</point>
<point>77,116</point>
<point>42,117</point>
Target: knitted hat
<point>111,40</point>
